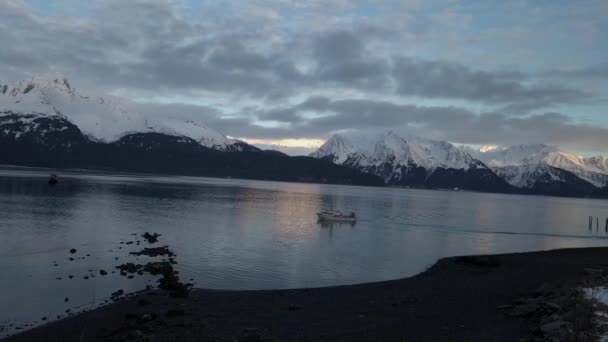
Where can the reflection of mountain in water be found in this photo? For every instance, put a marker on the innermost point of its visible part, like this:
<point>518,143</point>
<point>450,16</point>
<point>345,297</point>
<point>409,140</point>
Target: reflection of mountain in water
<point>156,190</point>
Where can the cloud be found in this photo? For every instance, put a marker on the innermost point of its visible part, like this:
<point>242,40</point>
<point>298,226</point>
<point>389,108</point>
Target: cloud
<point>454,124</point>
<point>599,71</point>
<point>160,50</point>
<point>282,68</point>
<point>438,79</point>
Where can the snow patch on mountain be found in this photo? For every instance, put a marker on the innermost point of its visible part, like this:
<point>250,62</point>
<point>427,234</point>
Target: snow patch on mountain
<point>337,148</point>
<point>102,118</point>
<point>528,175</point>
<point>523,165</point>
<point>393,156</point>
<point>514,155</point>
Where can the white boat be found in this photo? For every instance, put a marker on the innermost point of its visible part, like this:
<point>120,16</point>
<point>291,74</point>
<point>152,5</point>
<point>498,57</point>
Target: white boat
<point>332,215</point>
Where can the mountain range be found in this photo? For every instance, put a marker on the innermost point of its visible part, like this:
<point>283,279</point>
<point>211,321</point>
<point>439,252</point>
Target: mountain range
<point>404,160</point>
<point>547,169</point>
<point>46,122</point>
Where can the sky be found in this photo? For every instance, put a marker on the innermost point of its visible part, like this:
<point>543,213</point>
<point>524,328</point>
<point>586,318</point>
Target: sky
<point>291,73</point>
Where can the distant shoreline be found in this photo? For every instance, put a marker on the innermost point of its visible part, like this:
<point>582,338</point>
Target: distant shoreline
<point>144,174</point>
<point>477,298</point>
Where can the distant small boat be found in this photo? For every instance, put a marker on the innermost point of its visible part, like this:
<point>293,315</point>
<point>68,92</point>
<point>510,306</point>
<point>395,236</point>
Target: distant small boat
<point>334,215</point>
<point>53,179</point>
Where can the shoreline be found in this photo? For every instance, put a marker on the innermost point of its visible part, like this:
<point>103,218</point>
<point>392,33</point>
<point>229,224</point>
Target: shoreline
<point>117,172</point>
<point>467,298</point>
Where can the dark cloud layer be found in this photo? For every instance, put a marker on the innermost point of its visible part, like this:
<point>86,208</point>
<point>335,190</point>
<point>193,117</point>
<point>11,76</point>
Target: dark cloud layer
<point>158,49</point>
<point>450,123</point>
<point>596,71</point>
<point>149,47</point>
<point>448,80</point>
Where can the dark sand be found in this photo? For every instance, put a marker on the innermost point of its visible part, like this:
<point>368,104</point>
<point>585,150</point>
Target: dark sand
<point>455,300</point>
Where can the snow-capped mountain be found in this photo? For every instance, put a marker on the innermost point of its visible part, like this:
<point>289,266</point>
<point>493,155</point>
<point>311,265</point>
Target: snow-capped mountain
<point>337,149</point>
<point>43,131</point>
<point>496,156</point>
<point>411,161</point>
<point>525,165</point>
<point>101,117</point>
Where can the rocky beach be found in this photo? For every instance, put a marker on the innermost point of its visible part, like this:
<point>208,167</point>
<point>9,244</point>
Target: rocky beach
<point>538,296</point>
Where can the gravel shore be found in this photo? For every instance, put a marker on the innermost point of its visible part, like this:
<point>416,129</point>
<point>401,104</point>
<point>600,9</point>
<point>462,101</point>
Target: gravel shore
<point>509,297</point>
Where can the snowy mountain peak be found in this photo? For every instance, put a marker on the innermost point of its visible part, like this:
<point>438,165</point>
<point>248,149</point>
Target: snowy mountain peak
<point>397,150</point>
<point>390,145</point>
<point>337,148</point>
<point>525,165</point>
<point>509,156</point>
<point>101,117</point>
<point>409,160</point>
<point>600,162</point>
<point>47,81</point>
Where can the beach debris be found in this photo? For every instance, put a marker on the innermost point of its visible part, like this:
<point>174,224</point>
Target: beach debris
<point>557,313</point>
<point>103,272</point>
<point>66,299</point>
<point>73,250</point>
<point>159,267</point>
<point>129,268</point>
<point>154,252</point>
<point>117,294</point>
<point>151,238</point>
<point>171,283</point>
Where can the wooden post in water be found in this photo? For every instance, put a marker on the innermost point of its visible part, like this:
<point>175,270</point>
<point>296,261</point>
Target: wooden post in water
<point>597,224</point>
<point>590,223</point>
<point>606,228</point>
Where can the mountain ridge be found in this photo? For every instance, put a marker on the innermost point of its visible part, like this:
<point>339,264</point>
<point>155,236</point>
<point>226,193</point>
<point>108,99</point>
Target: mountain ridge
<point>103,118</point>
<point>46,122</point>
<point>419,162</point>
<point>593,170</point>
<point>412,161</point>
<point>55,142</point>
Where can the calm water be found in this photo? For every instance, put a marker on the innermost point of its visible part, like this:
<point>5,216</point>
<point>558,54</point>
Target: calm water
<point>239,234</point>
